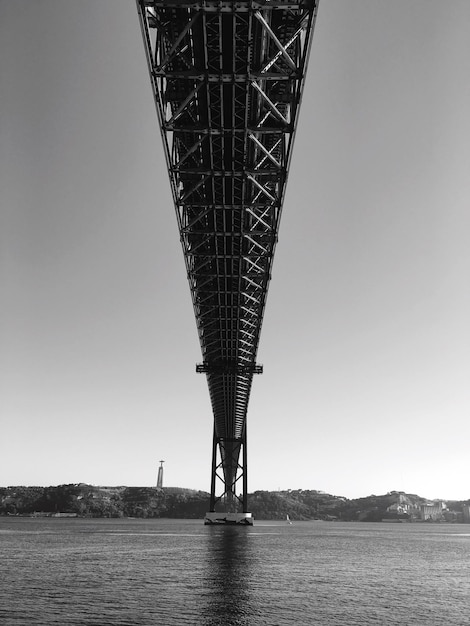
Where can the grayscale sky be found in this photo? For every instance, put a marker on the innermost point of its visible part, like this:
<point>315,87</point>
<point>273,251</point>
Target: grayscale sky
<point>366,338</point>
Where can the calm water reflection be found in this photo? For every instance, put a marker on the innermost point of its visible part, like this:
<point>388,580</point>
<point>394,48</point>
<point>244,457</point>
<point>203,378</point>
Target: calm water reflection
<point>227,576</point>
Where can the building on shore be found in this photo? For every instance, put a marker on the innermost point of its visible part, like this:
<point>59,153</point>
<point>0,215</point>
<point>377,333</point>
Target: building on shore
<point>433,511</point>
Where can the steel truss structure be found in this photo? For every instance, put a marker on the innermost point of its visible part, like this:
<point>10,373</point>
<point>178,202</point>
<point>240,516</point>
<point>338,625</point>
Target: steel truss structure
<point>228,79</point>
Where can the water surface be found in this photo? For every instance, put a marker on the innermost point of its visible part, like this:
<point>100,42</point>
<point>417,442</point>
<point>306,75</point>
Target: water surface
<point>178,572</point>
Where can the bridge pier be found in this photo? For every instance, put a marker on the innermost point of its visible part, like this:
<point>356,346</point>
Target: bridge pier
<point>226,473</point>
<point>233,519</point>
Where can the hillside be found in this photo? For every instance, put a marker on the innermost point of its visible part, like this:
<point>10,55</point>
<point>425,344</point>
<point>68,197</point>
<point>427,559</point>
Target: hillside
<point>146,502</point>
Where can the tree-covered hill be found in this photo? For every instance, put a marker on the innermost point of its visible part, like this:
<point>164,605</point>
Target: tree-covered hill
<point>146,502</point>
<point>90,501</point>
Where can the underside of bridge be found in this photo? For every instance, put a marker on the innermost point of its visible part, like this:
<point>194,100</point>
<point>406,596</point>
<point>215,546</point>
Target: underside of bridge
<point>228,79</point>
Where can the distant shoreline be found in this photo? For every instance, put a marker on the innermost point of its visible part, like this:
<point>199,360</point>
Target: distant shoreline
<point>83,500</point>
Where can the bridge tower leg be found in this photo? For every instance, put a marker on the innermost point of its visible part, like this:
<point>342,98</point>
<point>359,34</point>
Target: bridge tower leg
<point>245,472</point>
<point>226,505</point>
<point>214,472</point>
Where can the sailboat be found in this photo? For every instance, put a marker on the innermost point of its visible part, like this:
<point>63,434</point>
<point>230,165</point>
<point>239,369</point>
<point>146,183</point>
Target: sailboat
<point>288,519</point>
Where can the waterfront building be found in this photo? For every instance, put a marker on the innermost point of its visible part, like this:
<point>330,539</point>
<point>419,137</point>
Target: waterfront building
<point>433,511</point>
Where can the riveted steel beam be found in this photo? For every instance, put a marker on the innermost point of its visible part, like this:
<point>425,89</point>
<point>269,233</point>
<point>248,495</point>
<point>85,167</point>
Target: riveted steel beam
<point>227,78</point>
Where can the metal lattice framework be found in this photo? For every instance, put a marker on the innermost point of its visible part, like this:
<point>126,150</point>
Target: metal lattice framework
<point>227,79</point>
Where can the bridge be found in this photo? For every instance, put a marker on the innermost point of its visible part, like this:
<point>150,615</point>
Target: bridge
<point>227,78</point>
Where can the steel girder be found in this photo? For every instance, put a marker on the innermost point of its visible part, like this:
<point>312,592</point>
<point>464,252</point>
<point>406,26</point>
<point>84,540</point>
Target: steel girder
<point>227,79</point>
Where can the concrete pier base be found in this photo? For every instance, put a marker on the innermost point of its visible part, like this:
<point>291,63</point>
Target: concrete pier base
<point>240,519</point>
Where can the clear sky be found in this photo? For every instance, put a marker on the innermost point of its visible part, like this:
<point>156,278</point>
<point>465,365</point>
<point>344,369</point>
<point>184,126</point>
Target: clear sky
<point>366,338</point>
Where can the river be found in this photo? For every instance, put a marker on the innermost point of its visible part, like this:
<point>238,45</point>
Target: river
<point>179,572</point>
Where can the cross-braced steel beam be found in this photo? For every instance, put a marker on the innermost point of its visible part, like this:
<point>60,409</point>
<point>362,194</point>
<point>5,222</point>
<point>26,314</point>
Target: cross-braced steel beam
<point>227,78</point>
